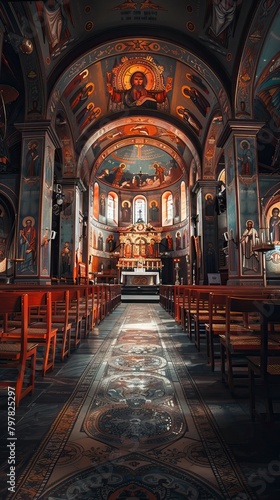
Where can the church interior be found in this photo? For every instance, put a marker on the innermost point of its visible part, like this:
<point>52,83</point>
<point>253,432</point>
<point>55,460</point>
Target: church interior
<point>139,159</point>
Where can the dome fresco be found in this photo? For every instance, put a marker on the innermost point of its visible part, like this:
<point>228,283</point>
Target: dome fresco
<point>139,166</point>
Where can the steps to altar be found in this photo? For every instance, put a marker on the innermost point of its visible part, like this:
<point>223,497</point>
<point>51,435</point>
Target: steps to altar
<point>140,293</point>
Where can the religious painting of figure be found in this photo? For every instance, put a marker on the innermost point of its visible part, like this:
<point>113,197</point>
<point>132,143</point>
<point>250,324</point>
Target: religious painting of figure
<point>154,212</point>
<point>88,115</point>
<point>169,242</point>
<point>55,16</point>
<point>209,205</point>
<point>197,81</point>
<point>221,17</point>
<point>66,259</point>
<point>76,81</point>
<point>102,203</point>
<point>178,241</point>
<point>32,159</point>
<point>126,211</point>
<point>152,248</point>
<point>138,82</point>
<point>197,98</point>
<point>68,162</point>
<point>274,226</point>
<point>245,158</point>
<point>100,241</point>
<point>27,246</point>
<point>139,96</point>
<point>110,243</point>
<point>138,166</point>
<point>249,239</point>
<point>81,96</point>
<point>189,118</point>
<point>127,248</point>
<point>119,173</point>
<point>160,172</point>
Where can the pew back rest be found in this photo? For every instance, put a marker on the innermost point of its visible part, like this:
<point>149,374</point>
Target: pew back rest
<point>16,303</point>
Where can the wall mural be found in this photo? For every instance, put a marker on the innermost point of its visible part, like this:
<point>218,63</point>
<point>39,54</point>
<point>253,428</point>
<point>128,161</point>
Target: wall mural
<point>273,228</point>
<point>137,167</point>
<point>28,218</point>
<point>28,246</point>
<point>138,82</point>
<point>249,239</point>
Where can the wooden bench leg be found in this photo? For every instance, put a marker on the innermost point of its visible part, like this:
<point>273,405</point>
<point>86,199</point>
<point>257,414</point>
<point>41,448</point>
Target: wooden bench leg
<point>197,335</point>
<point>210,349</point>
<point>223,362</point>
<point>49,357</point>
<point>183,318</point>
<point>252,395</point>
<point>20,390</point>
<point>229,370</point>
<point>268,401</point>
<point>189,326</point>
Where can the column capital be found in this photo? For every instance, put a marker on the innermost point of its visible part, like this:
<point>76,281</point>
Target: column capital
<point>71,182</point>
<point>240,127</point>
<point>37,129</point>
<point>204,183</point>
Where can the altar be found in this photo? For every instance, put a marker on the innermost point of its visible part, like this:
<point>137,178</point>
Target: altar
<point>139,278</point>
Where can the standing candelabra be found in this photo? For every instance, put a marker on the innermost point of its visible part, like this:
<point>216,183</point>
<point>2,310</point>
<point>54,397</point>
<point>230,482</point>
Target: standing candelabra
<point>177,269</point>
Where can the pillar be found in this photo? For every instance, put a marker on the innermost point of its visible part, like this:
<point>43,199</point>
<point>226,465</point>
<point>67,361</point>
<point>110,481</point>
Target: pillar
<point>207,228</point>
<point>239,140</point>
<point>73,237</point>
<point>35,203</point>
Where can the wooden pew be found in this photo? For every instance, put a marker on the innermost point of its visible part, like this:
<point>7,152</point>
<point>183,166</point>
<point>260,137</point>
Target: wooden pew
<point>238,347</point>
<point>44,335</point>
<point>266,366</point>
<point>186,297</point>
<point>216,324</point>
<point>60,320</point>
<point>86,305</point>
<point>19,356</point>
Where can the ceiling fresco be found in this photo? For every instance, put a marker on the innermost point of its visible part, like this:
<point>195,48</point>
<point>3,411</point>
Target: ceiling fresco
<point>154,70</point>
<point>217,26</point>
<point>140,83</point>
<point>139,166</point>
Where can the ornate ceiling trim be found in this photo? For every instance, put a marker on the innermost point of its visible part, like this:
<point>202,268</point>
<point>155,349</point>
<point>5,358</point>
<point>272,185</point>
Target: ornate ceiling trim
<point>249,61</point>
<point>112,128</point>
<point>141,46</point>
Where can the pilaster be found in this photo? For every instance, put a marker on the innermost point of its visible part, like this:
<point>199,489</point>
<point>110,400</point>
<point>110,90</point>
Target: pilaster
<point>206,228</point>
<point>35,202</point>
<point>239,140</point>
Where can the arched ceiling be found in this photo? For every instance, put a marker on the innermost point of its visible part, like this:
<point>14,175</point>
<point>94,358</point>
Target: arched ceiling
<point>168,126</point>
<point>191,54</point>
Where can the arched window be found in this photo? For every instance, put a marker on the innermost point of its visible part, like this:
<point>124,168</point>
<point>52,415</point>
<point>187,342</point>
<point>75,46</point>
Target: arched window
<point>96,201</point>
<point>139,209</point>
<point>170,207</point>
<point>167,209</point>
<point>183,201</point>
<point>112,208</point>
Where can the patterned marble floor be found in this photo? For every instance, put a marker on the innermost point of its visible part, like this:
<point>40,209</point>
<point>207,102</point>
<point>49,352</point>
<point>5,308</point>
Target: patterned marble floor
<point>136,413</point>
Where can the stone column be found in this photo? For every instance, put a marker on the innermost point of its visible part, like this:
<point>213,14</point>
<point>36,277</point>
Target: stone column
<point>73,232</point>
<point>35,202</point>
<point>239,140</point>
<point>207,227</point>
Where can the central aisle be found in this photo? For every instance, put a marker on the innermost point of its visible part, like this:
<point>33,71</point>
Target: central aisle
<point>136,425</point>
